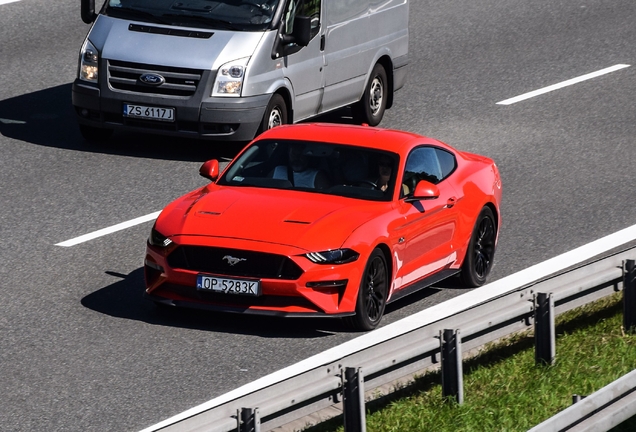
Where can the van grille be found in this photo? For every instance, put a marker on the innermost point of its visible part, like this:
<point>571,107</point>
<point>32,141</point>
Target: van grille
<point>217,260</point>
<point>124,76</point>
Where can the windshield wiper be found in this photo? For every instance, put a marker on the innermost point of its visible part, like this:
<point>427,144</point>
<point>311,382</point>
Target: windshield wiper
<point>126,12</point>
<point>208,22</point>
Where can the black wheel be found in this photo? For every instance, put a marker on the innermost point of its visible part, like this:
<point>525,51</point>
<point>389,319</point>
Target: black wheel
<point>370,109</point>
<point>275,113</point>
<point>374,289</point>
<point>481,250</point>
<point>95,134</point>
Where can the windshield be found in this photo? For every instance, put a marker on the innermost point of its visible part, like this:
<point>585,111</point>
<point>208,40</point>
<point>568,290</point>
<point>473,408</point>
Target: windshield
<point>212,14</point>
<point>333,169</point>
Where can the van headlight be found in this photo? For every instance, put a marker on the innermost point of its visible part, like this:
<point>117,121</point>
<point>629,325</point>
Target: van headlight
<point>229,78</point>
<point>88,62</point>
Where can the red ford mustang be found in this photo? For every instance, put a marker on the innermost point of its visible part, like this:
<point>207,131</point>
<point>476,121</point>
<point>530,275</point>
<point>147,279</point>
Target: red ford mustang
<point>327,220</point>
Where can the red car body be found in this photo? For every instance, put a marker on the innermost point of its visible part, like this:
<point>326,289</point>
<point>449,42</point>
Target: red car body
<point>346,250</point>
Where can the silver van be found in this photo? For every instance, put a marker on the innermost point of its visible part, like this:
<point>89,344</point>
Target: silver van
<point>230,69</point>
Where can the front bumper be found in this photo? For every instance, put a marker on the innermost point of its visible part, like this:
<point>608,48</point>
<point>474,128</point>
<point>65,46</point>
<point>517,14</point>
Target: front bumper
<point>321,290</point>
<point>229,119</point>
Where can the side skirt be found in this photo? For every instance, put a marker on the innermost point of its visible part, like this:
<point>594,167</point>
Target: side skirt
<point>423,283</point>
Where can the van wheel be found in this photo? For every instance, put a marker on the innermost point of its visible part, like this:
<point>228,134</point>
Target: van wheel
<point>370,109</point>
<point>275,114</point>
<point>94,134</point>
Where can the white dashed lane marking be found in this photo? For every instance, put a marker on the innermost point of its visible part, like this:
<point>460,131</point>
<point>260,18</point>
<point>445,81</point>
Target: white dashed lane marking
<point>562,84</point>
<point>109,230</point>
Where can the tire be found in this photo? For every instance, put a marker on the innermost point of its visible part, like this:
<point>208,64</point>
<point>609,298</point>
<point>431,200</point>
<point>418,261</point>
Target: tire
<point>370,109</point>
<point>275,114</point>
<point>372,294</point>
<point>94,134</point>
<point>481,251</point>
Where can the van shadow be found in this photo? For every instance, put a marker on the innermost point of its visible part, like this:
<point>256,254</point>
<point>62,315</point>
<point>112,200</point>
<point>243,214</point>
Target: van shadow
<point>46,118</point>
<point>124,299</point>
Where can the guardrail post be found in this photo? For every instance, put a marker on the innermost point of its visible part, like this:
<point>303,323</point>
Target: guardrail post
<point>577,398</point>
<point>629,295</point>
<point>249,420</point>
<point>353,400</point>
<point>452,372</point>
<point>544,338</point>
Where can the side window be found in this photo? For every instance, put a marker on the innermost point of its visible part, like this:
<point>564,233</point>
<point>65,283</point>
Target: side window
<point>308,8</point>
<point>446,161</point>
<point>426,163</point>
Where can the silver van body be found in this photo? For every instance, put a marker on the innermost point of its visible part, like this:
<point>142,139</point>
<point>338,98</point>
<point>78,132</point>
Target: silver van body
<point>174,67</point>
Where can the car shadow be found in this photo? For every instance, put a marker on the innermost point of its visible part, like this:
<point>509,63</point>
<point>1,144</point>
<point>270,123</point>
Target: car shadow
<point>46,118</point>
<point>124,299</point>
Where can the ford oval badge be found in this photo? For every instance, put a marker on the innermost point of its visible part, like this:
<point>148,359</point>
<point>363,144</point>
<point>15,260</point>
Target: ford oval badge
<point>152,79</point>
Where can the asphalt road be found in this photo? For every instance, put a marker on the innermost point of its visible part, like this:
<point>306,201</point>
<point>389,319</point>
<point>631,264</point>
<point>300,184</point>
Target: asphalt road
<point>80,350</point>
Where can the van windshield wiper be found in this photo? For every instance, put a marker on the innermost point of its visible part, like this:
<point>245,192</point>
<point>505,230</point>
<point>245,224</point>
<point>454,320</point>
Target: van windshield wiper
<point>208,22</point>
<point>126,12</point>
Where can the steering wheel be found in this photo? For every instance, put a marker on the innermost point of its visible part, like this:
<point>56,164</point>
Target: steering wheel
<point>368,183</point>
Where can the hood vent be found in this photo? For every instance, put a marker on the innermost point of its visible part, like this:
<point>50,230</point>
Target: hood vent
<point>170,31</point>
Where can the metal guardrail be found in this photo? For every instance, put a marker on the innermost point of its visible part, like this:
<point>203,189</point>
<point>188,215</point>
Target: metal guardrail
<point>601,411</point>
<point>411,345</point>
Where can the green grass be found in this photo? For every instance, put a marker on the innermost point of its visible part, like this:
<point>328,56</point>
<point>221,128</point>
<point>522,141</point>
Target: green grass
<point>503,388</point>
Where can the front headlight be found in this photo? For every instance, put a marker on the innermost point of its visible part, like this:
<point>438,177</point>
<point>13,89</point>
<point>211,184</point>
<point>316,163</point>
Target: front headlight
<point>157,239</point>
<point>88,62</point>
<point>229,78</point>
<point>338,256</point>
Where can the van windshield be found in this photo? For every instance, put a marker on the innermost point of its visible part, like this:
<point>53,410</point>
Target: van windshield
<point>247,15</point>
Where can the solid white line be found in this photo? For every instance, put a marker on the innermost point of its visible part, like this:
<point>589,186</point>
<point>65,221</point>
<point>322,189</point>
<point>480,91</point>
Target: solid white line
<point>7,1</point>
<point>562,84</point>
<point>109,230</point>
<point>430,315</point>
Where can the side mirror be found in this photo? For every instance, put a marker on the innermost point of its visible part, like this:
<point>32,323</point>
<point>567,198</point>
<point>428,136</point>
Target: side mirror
<point>302,30</point>
<point>88,11</point>
<point>291,43</point>
<point>210,169</point>
<point>424,190</point>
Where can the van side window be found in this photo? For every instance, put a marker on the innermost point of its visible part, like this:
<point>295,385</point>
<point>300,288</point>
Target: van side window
<point>308,8</point>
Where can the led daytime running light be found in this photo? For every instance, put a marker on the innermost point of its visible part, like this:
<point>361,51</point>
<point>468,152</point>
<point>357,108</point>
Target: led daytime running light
<point>338,256</point>
<point>158,239</point>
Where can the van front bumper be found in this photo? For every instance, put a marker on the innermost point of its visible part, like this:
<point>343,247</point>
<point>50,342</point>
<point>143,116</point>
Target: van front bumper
<point>228,119</point>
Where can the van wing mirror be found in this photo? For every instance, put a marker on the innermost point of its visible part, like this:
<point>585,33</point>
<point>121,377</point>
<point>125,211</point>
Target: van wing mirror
<point>210,169</point>
<point>287,44</point>
<point>302,30</point>
<point>88,11</point>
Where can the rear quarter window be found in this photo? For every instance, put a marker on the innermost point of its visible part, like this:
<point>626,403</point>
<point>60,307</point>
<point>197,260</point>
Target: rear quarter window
<point>447,162</point>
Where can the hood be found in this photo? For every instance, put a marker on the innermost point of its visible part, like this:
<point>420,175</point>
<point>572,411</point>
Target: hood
<point>114,40</point>
<point>310,221</point>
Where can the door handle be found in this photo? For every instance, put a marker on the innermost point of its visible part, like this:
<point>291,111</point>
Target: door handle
<point>451,202</point>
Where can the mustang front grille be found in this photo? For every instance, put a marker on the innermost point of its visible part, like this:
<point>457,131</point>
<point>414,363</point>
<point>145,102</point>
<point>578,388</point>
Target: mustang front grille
<point>234,262</point>
<point>124,76</point>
